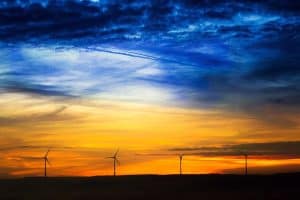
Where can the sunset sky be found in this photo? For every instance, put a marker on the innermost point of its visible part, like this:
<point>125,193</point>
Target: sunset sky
<point>155,79</point>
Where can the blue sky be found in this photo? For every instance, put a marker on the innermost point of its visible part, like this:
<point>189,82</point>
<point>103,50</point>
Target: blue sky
<point>234,55</point>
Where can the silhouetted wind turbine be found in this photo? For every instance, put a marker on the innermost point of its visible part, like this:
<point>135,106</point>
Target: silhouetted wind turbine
<point>245,154</point>
<point>46,160</point>
<point>180,164</point>
<point>114,157</point>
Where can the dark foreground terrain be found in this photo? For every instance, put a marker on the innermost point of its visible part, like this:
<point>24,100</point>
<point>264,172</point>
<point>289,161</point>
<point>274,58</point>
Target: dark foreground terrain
<point>210,187</point>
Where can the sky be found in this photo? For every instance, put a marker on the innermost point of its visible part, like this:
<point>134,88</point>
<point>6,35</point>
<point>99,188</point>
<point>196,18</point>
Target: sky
<point>209,79</point>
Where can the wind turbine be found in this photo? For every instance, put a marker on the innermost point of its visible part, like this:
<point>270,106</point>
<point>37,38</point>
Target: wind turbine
<point>180,164</point>
<point>45,162</point>
<point>245,154</point>
<point>114,157</point>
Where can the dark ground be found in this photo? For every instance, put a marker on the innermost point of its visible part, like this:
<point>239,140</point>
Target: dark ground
<point>186,187</point>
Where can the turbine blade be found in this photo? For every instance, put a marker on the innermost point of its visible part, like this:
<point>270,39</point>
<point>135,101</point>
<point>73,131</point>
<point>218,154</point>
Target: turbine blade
<point>118,162</point>
<point>48,161</point>
<point>115,155</point>
<point>46,155</point>
<point>110,157</point>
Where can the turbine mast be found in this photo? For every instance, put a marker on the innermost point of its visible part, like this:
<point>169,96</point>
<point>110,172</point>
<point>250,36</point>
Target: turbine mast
<point>114,166</point>
<point>45,167</point>
<point>246,164</point>
<point>180,164</point>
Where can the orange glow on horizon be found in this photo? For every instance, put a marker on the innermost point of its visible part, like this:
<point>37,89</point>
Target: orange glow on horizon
<point>81,133</point>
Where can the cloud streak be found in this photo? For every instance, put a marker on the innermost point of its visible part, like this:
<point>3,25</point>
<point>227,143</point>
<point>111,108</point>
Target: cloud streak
<point>36,118</point>
<point>289,148</point>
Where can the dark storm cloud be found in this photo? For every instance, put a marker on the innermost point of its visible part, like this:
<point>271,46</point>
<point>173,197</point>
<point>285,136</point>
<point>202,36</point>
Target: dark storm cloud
<point>276,70</point>
<point>288,5</point>
<point>271,78</point>
<point>116,20</point>
<point>289,148</point>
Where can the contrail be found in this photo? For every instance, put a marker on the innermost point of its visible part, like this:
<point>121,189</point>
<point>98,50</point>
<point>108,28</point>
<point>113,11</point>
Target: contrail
<point>143,56</point>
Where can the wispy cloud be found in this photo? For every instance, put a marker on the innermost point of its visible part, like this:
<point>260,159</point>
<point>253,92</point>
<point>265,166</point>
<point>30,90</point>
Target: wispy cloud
<point>37,118</point>
<point>288,148</point>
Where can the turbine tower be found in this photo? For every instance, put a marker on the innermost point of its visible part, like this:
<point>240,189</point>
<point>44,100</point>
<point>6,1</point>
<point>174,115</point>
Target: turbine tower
<point>116,161</point>
<point>180,164</point>
<point>246,163</point>
<point>45,162</point>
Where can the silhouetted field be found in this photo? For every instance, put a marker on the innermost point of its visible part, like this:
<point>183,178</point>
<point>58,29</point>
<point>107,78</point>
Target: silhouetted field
<point>186,187</point>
